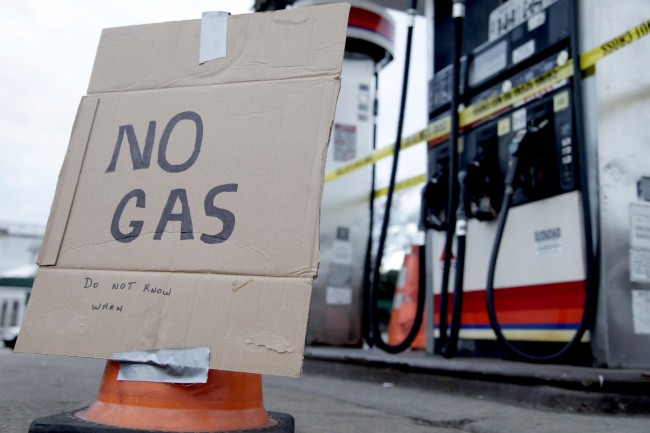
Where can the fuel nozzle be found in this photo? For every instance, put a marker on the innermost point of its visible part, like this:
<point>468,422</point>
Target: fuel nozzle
<point>461,211</point>
<point>484,184</point>
<point>525,167</point>
<point>530,165</point>
<point>433,212</point>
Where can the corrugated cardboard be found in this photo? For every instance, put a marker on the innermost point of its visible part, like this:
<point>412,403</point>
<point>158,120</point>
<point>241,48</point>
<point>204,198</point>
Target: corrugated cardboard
<point>205,233</point>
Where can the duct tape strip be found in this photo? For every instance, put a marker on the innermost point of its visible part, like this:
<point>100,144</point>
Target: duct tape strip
<point>188,365</point>
<point>214,36</point>
<point>484,108</point>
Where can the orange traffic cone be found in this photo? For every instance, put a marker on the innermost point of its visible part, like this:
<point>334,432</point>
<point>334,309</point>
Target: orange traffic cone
<point>229,401</point>
<point>402,314</point>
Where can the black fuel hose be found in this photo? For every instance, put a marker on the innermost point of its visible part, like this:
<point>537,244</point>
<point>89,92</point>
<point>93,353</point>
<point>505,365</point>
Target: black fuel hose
<point>591,249</point>
<point>448,348</point>
<point>375,332</point>
<point>523,140</point>
<point>367,266</point>
<point>592,270</point>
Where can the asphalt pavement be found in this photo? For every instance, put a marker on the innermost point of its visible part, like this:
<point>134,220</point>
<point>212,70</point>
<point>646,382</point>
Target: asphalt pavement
<point>33,386</point>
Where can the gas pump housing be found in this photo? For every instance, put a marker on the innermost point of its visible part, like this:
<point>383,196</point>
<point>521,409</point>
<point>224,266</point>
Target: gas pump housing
<point>541,276</point>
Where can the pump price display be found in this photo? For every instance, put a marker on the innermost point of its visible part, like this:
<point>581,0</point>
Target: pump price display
<point>513,13</point>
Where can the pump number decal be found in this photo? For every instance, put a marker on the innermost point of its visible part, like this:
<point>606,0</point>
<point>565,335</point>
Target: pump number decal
<point>513,13</point>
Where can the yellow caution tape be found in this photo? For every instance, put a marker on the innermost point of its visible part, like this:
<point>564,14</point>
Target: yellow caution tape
<point>590,58</point>
<point>436,129</point>
<point>439,128</point>
<point>399,186</point>
<point>486,107</point>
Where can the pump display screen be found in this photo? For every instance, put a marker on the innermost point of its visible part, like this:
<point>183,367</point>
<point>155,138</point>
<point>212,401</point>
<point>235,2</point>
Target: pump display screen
<point>488,63</point>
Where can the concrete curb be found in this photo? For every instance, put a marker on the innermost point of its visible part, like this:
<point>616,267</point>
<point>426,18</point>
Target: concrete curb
<point>566,388</point>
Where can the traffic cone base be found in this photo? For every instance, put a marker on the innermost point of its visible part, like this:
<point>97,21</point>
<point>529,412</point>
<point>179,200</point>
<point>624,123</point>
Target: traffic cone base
<point>69,422</point>
<point>176,420</point>
<point>229,401</point>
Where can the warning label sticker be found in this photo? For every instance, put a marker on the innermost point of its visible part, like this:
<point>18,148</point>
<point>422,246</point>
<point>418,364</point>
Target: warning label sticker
<point>548,242</point>
<point>342,252</point>
<point>338,296</point>
<point>639,243</point>
<point>640,266</point>
<point>641,311</point>
<point>345,142</point>
<point>639,226</point>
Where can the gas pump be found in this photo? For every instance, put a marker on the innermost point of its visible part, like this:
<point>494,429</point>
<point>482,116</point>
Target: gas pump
<point>337,302</point>
<point>540,289</point>
<point>519,245</point>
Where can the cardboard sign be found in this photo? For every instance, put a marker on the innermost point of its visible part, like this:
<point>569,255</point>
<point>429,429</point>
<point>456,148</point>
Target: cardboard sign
<point>187,209</point>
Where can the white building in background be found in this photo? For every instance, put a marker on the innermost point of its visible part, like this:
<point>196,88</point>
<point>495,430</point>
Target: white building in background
<point>19,246</point>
